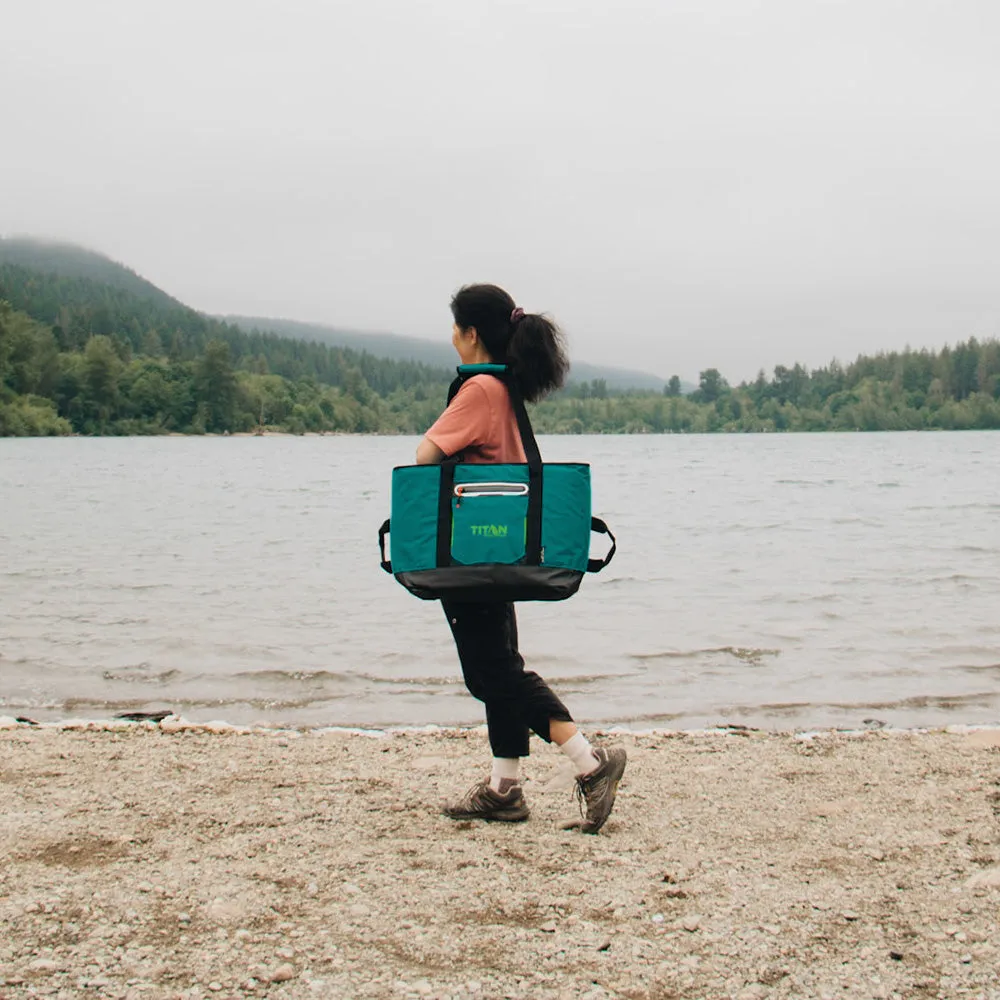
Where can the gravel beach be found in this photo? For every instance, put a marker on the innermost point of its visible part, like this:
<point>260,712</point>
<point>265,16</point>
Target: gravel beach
<point>189,861</point>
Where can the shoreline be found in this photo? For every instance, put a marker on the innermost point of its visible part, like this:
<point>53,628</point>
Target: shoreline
<point>176,862</point>
<point>173,723</point>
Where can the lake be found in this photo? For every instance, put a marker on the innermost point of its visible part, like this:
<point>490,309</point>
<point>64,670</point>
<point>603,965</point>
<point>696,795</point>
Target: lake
<point>778,581</point>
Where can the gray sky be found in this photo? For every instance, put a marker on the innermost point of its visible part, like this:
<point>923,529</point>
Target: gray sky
<point>722,183</point>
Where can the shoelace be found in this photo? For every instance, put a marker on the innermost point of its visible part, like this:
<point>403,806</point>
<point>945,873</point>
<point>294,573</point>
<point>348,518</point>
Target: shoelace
<point>581,795</point>
<point>474,796</point>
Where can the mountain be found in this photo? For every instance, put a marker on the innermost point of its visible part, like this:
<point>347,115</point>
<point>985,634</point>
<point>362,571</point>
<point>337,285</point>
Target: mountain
<point>430,352</point>
<point>71,261</point>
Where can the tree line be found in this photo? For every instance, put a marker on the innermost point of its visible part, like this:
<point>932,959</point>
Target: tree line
<point>956,388</point>
<point>86,357</point>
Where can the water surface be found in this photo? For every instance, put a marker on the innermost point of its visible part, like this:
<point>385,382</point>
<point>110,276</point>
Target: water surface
<point>778,581</point>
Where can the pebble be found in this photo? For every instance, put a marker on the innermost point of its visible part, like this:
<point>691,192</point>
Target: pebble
<point>282,973</point>
<point>849,915</point>
<point>691,924</point>
<point>183,918</point>
<point>215,987</point>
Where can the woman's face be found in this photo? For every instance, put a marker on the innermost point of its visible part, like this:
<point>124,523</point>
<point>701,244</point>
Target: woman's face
<point>466,343</point>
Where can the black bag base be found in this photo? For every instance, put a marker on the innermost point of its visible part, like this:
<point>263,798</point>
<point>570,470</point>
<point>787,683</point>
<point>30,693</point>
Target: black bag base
<point>492,583</point>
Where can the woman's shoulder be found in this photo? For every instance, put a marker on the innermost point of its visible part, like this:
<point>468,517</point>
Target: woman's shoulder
<point>489,384</point>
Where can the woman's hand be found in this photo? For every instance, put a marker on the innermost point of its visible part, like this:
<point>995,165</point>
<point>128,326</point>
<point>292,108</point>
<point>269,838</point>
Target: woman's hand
<point>428,453</point>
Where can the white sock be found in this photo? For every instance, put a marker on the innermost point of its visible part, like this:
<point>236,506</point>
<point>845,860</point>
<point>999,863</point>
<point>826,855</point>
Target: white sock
<point>505,771</point>
<point>579,750</point>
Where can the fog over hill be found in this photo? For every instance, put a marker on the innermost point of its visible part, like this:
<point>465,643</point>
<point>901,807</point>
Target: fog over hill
<point>72,261</point>
<point>430,352</point>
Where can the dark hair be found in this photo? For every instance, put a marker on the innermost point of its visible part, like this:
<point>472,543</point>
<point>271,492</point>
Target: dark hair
<point>530,344</point>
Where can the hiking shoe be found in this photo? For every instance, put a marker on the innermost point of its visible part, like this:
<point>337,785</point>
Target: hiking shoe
<point>482,802</point>
<point>596,791</point>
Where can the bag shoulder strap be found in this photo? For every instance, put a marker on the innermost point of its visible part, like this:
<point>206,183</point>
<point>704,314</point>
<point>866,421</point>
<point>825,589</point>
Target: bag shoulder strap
<point>502,372</point>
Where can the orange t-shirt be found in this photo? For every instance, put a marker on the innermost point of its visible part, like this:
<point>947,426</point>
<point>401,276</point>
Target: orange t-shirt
<point>480,423</point>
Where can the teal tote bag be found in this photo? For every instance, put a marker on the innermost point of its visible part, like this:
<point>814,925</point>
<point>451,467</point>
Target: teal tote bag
<point>504,532</point>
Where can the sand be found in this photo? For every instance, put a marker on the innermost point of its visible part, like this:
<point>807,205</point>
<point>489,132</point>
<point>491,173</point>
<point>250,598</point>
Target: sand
<point>169,861</point>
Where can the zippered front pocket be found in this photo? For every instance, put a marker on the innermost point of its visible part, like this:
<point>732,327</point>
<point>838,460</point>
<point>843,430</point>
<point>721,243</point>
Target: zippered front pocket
<point>489,522</point>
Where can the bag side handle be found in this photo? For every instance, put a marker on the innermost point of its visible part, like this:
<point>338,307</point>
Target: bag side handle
<point>382,532</point>
<point>596,565</point>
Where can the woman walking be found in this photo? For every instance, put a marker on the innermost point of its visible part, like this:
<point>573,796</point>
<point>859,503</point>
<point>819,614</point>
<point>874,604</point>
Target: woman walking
<point>479,425</point>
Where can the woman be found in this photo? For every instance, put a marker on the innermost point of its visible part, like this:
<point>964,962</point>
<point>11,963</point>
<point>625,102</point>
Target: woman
<point>479,425</point>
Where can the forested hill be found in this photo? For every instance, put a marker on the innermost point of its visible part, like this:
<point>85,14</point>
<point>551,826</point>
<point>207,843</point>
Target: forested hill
<point>437,353</point>
<point>87,346</point>
<point>71,261</point>
<point>91,356</point>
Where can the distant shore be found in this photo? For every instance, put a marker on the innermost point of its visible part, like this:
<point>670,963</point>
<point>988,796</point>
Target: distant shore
<point>193,860</point>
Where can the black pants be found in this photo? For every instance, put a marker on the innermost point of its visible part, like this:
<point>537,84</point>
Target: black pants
<point>517,700</point>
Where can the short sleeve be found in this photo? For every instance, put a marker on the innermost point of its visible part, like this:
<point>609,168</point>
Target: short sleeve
<point>466,422</point>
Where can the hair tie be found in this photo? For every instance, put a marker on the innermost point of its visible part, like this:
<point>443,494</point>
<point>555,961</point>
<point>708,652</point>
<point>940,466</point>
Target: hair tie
<point>518,313</point>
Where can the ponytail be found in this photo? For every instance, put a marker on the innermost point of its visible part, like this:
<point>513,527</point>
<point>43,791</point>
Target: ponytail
<point>530,344</point>
<point>537,356</point>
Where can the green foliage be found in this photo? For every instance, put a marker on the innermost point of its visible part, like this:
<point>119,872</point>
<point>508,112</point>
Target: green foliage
<point>31,416</point>
<point>711,385</point>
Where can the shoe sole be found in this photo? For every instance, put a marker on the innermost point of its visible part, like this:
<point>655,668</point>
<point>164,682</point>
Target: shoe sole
<point>615,781</point>
<point>504,816</point>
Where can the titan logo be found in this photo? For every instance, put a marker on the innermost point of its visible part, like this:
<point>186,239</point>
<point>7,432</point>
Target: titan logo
<point>490,530</point>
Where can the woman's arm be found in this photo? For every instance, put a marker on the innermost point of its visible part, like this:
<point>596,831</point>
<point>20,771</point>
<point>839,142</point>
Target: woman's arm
<point>465,423</point>
<point>428,453</point>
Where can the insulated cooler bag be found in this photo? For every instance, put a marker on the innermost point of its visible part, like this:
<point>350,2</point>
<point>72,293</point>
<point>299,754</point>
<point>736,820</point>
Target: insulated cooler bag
<point>471,532</point>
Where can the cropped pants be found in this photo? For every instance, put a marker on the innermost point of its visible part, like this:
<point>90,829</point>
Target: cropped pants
<point>517,701</point>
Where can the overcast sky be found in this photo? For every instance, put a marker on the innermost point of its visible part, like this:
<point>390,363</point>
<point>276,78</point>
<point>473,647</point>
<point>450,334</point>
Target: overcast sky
<point>720,183</point>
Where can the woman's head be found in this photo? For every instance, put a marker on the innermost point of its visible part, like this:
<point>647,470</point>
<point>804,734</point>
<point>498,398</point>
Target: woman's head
<point>530,344</point>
